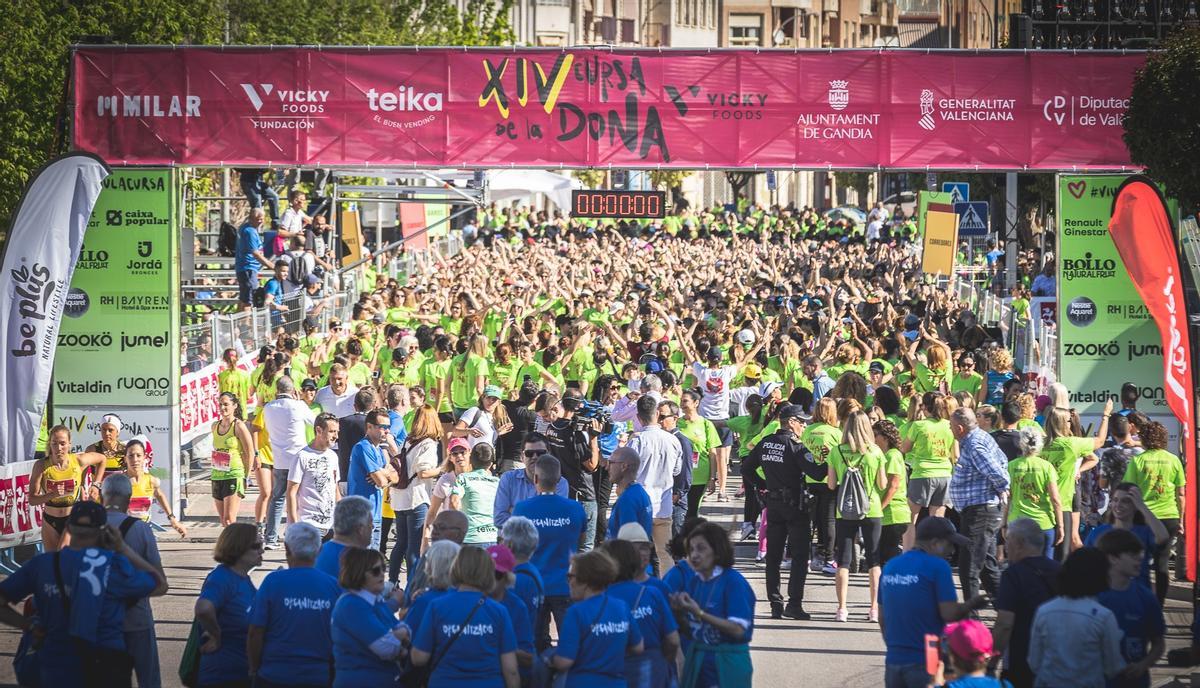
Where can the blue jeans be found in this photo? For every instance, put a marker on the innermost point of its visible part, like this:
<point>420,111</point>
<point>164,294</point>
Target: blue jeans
<point>376,532</point>
<point>279,483</point>
<point>589,533</point>
<point>906,676</point>
<point>257,190</point>
<point>409,525</point>
<point>1049,543</point>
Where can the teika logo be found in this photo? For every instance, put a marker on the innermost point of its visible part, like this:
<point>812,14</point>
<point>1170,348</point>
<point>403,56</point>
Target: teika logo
<point>405,99</point>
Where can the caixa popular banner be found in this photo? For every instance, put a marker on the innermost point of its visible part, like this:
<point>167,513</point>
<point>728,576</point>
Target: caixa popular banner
<point>593,108</point>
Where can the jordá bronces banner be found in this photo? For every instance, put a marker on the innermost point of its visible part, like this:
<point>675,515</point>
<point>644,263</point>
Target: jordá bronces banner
<point>494,107</point>
<point>43,246</point>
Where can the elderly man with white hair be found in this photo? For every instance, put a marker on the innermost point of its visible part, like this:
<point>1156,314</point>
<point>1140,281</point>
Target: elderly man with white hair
<point>140,640</point>
<point>978,490</point>
<point>288,642</point>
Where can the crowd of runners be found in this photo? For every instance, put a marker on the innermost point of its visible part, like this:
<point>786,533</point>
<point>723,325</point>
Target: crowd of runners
<point>493,474</point>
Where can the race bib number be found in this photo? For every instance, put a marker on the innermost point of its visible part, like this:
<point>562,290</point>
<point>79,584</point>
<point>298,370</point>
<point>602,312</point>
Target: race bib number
<point>220,460</point>
<point>139,507</point>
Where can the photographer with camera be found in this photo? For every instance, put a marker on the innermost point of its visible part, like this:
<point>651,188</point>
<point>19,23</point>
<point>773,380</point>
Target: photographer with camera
<point>785,462</point>
<point>573,441</point>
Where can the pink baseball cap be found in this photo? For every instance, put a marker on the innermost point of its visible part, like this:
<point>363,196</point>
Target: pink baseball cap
<point>503,558</point>
<point>458,442</point>
<point>969,639</point>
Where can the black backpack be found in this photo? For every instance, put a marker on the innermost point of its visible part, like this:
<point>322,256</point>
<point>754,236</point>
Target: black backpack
<point>227,240</point>
<point>297,268</point>
<point>259,297</point>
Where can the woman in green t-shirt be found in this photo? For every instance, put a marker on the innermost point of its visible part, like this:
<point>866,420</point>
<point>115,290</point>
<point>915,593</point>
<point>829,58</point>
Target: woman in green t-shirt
<point>930,449</point>
<point>896,514</point>
<point>1033,490</point>
<point>1159,475</point>
<point>705,439</point>
<point>858,453</point>
<point>1071,456</point>
<point>469,375</point>
<point>820,438</point>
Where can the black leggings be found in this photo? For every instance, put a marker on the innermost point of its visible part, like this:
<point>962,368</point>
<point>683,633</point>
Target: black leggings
<point>846,530</point>
<point>384,529</point>
<point>889,541</point>
<point>695,494</point>
<point>821,509</point>
<point>1162,560</point>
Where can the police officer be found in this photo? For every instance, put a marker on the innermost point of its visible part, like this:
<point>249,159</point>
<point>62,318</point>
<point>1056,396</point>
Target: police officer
<point>785,462</point>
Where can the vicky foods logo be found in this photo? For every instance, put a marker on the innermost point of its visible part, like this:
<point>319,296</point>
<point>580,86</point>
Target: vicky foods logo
<point>285,108</point>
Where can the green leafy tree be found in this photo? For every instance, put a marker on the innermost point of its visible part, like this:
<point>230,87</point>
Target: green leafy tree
<point>36,60</point>
<point>666,180</point>
<point>592,179</point>
<point>1162,124</point>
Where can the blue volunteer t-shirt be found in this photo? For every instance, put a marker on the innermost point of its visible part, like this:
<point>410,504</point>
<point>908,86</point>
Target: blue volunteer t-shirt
<point>595,634</point>
<point>356,624</point>
<point>559,522</point>
<point>365,459</point>
<point>473,659</point>
<point>248,242</point>
<point>329,559</point>
<point>1141,620</point>
<point>522,623</point>
<point>36,577</point>
<point>633,506</point>
<point>420,605</point>
<point>1143,533</point>
<point>679,577</point>
<point>232,595</point>
<point>649,609</point>
<point>910,589</point>
<point>530,587</point>
<point>726,594</point>
<point>295,607</point>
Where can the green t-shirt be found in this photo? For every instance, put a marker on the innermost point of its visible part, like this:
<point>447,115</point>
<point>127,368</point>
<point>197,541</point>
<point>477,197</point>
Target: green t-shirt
<point>1030,478</point>
<point>932,443</point>
<point>820,439</point>
<point>505,374</point>
<point>1029,423</point>
<point>897,510</point>
<point>1159,474</point>
<point>432,375</point>
<point>477,489</point>
<point>359,374</point>
<point>928,380</point>
<point>236,382</point>
<point>745,428</point>
<point>409,375</point>
<point>868,464</point>
<point>704,437</point>
<point>463,392</point>
<point>971,383</point>
<point>451,325</point>
<point>1065,454</point>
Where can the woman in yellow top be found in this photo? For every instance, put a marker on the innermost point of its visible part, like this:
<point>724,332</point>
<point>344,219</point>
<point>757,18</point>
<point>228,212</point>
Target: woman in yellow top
<point>56,483</point>
<point>896,514</point>
<point>233,379</point>
<point>232,445</point>
<point>146,488</point>
<point>262,466</point>
<point>112,448</point>
<point>934,375</point>
<point>858,452</point>
<point>469,375</point>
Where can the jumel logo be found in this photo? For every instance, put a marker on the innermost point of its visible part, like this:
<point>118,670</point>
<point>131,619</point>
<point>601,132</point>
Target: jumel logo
<point>1081,311</point>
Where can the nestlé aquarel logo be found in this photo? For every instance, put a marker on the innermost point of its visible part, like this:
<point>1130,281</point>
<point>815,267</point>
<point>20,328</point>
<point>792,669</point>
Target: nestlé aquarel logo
<point>1081,311</point>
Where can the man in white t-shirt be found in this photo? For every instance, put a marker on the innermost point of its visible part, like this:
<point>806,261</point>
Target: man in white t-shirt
<point>714,381</point>
<point>878,213</point>
<point>874,230</point>
<point>338,397</point>
<point>313,488</point>
<point>294,218</point>
<point>286,420</point>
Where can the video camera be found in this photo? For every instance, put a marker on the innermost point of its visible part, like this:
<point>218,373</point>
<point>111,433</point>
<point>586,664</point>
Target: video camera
<point>592,411</point>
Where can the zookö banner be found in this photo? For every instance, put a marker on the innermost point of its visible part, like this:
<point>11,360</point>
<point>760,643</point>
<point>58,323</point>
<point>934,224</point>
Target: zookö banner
<point>597,107</point>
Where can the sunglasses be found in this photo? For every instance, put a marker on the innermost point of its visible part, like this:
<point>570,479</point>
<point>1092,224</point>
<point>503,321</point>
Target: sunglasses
<point>666,416</point>
<point>533,453</point>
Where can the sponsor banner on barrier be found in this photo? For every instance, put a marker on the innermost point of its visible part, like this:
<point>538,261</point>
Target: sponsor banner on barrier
<point>119,336</point>
<point>198,396</point>
<point>587,108</point>
<point>20,523</point>
<point>1107,336</point>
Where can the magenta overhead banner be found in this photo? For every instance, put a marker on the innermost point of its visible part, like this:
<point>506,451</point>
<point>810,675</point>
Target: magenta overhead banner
<point>583,108</point>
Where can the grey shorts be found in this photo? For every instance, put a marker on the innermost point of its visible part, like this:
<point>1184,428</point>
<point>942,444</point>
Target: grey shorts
<point>928,491</point>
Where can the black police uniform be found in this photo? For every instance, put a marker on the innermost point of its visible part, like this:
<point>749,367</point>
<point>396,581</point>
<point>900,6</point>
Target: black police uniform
<point>785,462</point>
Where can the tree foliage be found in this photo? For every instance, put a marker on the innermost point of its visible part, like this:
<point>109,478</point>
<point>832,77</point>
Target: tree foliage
<point>35,62</point>
<point>1162,124</point>
<point>666,180</point>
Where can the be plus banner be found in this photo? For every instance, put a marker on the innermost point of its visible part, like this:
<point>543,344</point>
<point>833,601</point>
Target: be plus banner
<point>593,108</point>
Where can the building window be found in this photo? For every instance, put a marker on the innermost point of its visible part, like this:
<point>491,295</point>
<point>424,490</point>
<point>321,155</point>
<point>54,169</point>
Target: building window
<point>745,30</point>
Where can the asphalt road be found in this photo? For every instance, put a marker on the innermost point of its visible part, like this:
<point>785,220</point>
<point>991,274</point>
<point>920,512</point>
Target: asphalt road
<point>815,653</point>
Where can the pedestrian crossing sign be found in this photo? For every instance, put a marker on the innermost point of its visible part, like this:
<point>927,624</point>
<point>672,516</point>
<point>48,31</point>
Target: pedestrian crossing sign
<point>972,218</point>
<point>960,192</point>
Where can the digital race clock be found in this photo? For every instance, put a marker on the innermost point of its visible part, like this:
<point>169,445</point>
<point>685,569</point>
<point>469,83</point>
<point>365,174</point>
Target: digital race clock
<point>619,204</point>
